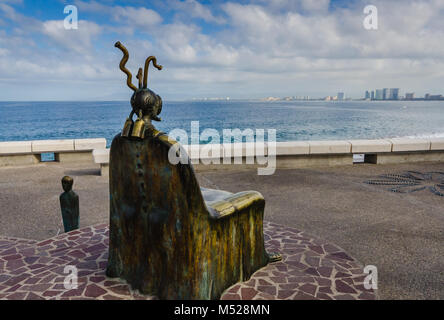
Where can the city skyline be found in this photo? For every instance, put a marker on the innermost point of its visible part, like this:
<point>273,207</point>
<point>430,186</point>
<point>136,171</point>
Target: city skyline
<point>382,94</point>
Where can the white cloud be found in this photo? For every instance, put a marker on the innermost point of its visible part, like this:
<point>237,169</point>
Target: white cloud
<point>195,9</point>
<point>127,17</point>
<point>263,48</point>
<point>141,17</point>
<point>28,23</point>
<point>78,40</point>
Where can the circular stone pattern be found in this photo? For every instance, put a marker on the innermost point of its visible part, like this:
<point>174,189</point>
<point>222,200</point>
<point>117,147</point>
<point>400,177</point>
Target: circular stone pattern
<point>310,269</point>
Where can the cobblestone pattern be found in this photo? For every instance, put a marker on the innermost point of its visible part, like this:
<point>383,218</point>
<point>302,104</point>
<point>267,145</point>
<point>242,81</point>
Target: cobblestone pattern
<point>311,269</point>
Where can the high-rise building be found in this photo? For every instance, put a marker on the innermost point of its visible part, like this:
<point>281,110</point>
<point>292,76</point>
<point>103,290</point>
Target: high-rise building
<point>410,96</point>
<point>341,95</point>
<point>385,95</point>
<point>372,95</point>
<point>379,94</point>
<point>367,95</point>
<point>394,94</point>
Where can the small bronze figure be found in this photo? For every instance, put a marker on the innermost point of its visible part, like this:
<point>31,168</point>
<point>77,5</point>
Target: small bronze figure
<point>69,203</point>
<point>146,104</point>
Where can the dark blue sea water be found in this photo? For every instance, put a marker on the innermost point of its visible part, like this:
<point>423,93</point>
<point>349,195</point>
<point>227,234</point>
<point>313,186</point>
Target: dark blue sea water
<point>299,120</point>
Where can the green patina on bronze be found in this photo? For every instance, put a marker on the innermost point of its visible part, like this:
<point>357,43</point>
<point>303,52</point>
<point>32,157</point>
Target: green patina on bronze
<point>170,238</point>
<point>69,205</point>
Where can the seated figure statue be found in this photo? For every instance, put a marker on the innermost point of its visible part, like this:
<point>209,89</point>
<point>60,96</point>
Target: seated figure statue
<point>169,237</point>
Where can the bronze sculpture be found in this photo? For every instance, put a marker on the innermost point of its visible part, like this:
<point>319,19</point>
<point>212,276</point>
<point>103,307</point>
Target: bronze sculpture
<point>69,204</point>
<point>145,103</point>
<point>168,237</point>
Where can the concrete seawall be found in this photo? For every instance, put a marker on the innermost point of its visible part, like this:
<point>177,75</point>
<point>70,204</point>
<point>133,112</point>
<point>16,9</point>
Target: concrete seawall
<point>302,154</point>
<point>17,153</point>
<point>289,154</point>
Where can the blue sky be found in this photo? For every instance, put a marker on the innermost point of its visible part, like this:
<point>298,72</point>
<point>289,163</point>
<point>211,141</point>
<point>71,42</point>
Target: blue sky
<point>241,49</point>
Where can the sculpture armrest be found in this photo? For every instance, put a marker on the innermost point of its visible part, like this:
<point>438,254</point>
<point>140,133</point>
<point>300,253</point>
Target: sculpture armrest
<point>234,203</point>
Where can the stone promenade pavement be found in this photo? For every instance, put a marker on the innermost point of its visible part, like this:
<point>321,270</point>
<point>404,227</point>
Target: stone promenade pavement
<point>310,269</point>
<point>390,216</point>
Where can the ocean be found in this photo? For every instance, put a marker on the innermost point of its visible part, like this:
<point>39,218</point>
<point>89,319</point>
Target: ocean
<point>293,120</point>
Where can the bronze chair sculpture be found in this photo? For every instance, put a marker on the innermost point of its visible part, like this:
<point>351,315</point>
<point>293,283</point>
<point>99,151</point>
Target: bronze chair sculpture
<point>169,237</point>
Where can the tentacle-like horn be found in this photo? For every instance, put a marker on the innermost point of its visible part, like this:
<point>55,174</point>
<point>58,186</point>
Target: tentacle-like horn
<point>145,72</point>
<point>122,65</point>
<point>139,77</point>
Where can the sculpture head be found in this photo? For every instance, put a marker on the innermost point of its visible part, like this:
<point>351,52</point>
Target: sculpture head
<point>145,103</point>
<point>148,102</point>
<point>67,183</point>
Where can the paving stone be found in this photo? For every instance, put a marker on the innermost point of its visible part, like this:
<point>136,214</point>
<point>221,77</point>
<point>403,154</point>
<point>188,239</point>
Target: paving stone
<point>51,293</point>
<point>9,251</point>
<point>312,271</point>
<point>90,265</point>
<point>313,261</point>
<point>323,296</point>
<point>317,249</point>
<point>111,297</point>
<point>264,296</point>
<point>330,248</point>
<point>296,264</point>
<point>324,282</point>
<point>17,296</point>
<point>45,260</point>
<point>289,286</point>
<point>36,287</point>
<point>248,293</point>
<point>95,248</point>
<point>49,278</point>
<point>13,288</point>
<point>308,288</point>
<point>342,287</point>
<point>303,279</point>
<point>263,282</point>
<point>251,282</point>
<point>285,294</point>
<point>366,296</point>
<point>306,271</point>
<point>230,296</point>
<point>303,296</point>
<point>344,297</point>
<point>4,277</point>
<point>325,290</point>
<point>94,291</point>
<point>342,275</point>
<point>342,255</point>
<point>325,271</point>
<point>77,254</point>
<point>261,274</point>
<point>267,289</point>
<point>14,280</point>
<point>278,279</point>
<point>33,296</point>
<point>97,279</point>
<point>120,289</point>
<point>12,257</point>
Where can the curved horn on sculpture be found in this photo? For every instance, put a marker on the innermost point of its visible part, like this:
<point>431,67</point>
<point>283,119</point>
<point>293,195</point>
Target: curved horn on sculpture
<point>139,77</point>
<point>145,72</point>
<point>122,65</point>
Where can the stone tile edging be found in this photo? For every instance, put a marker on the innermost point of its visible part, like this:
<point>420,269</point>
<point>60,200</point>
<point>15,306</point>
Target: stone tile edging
<point>311,269</point>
